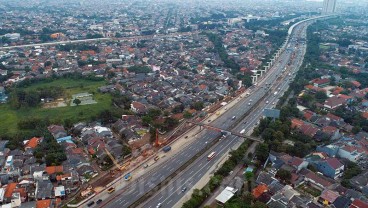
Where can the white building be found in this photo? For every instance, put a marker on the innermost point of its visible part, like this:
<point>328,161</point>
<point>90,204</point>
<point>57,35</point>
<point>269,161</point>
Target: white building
<point>329,6</point>
<point>349,152</point>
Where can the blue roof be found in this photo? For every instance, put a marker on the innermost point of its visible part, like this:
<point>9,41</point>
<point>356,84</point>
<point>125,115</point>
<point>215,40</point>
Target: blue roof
<point>249,169</point>
<point>65,139</point>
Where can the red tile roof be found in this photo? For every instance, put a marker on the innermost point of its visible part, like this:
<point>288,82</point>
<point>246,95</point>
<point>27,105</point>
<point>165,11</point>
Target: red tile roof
<point>329,129</point>
<point>259,190</point>
<point>43,203</point>
<point>309,129</point>
<point>296,123</point>
<point>329,195</point>
<point>54,169</point>
<point>334,163</point>
<point>345,97</point>
<point>10,189</point>
<point>77,151</point>
<point>357,203</point>
<point>321,81</point>
<point>365,115</point>
<point>32,143</point>
<point>312,176</point>
<point>333,117</point>
<point>356,83</point>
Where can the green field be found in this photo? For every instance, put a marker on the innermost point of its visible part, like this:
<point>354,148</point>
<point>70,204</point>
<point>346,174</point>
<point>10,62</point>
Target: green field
<point>10,117</point>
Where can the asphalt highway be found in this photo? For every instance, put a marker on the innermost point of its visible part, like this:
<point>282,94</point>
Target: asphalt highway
<point>170,195</point>
<point>179,186</point>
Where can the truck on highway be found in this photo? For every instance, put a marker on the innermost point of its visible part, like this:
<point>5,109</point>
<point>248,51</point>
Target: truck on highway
<point>242,131</point>
<point>211,155</point>
<point>166,149</point>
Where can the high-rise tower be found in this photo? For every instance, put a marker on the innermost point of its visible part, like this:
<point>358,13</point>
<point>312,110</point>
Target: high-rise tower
<point>329,6</point>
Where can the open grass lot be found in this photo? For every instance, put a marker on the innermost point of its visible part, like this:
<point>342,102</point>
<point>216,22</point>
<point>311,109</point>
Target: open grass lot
<point>10,117</point>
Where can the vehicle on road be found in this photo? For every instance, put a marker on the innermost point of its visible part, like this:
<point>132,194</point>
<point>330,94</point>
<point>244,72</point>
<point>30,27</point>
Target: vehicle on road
<point>99,201</point>
<point>242,131</point>
<point>218,113</point>
<point>166,149</point>
<point>267,102</point>
<point>145,165</point>
<point>183,189</point>
<point>90,203</point>
<point>186,137</point>
<point>110,190</point>
<point>128,176</point>
<point>248,103</point>
<point>275,93</point>
<point>211,155</point>
<point>209,120</point>
<point>156,158</point>
<point>158,205</point>
<point>234,117</point>
<point>273,103</point>
<point>244,122</point>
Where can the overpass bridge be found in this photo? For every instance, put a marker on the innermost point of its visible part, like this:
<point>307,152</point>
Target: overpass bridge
<point>225,132</point>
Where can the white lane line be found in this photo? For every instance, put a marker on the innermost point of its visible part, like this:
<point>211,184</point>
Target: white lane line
<point>191,176</point>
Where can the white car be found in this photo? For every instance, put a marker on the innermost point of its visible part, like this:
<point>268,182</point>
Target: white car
<point>158,205</point>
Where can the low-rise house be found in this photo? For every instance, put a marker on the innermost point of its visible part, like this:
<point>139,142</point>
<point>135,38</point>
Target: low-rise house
<point>32,143</point>
<point>334,102</point>
<point>328,197</point>
<point>351,153</point>
<point>138,107</point>
<point>284,195</point>
<point>332,132</point>
<point>57,131</point>
<point>280,159</point>
<point>44,190</point>
<point>357,203</point>
<point>259,190</point>
<point>265,178</point>
<point>331,167</point>
<point>321,82</point>
<point>342,202</point>
<point>315,180</point>
<point>360,182</point>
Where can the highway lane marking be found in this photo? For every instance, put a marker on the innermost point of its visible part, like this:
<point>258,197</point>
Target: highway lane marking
<point>191,176</point>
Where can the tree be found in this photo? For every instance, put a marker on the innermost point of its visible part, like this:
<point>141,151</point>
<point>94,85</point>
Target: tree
<point>284,175</point>
<point>259,204</point>
<point>178,109</point>
<point>320,96</point>
<point>77,101</point>
<point>262,152</point>
<point>198,105</point>
<point>249,176</point>
<point>187,115</point>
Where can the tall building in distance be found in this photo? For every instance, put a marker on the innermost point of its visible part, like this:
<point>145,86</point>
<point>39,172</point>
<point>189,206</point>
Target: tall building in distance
<point>329,6</point>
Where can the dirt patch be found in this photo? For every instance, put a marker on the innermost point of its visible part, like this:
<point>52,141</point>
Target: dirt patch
<point>55,104</point>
